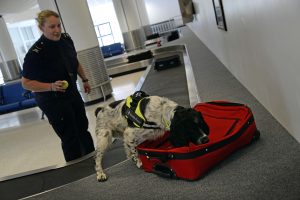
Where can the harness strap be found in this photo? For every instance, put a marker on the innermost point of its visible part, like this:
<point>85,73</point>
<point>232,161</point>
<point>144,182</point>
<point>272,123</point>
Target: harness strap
<point>133,113</point>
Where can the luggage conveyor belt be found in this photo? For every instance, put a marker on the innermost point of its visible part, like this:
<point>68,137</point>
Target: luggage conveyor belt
<point>169,78</point>
<point>171,83</point>
<point>120,64</point>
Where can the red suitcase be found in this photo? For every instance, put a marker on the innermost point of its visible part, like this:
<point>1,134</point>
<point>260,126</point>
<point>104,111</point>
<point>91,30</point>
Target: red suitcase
<point>232,126</point>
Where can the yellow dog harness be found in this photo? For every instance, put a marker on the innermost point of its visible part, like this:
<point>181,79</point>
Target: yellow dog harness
<point>133,112</point>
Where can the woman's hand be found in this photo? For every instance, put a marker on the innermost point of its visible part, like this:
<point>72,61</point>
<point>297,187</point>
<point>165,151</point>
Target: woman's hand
<point>58,86</point>
<point>87,87</point>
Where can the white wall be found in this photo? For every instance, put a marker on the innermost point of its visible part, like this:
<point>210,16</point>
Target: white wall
<point>261,48</point>
<point>162,10</point>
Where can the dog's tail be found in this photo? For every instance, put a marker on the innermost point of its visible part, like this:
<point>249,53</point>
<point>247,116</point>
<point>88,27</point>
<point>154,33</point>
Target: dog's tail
<point>98,110</point>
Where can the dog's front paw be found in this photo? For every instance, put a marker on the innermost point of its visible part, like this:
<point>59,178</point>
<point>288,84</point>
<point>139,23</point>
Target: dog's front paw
<point>101,176</point>
<point>139,163</point>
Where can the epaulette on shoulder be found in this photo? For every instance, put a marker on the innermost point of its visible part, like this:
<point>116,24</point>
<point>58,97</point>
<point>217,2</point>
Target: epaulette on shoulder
<point>37,47</point>
<point>66,35</point>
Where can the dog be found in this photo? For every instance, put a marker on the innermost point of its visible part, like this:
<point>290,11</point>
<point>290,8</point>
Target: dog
<point>142,117</point>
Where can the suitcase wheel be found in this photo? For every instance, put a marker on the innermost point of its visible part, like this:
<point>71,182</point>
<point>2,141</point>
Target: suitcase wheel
<point>163,171</point>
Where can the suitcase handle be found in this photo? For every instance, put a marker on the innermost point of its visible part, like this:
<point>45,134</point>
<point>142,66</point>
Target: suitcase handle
<point>162,157</point>
<point>164,171</point>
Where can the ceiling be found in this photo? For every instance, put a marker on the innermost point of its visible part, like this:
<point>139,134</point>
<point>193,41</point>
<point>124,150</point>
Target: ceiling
<point>18,10</point>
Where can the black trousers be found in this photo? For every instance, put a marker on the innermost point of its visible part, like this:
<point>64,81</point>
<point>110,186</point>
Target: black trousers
<point>66,113</point>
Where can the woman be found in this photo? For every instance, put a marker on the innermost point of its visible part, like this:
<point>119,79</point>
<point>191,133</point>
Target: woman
<point>50,62</point>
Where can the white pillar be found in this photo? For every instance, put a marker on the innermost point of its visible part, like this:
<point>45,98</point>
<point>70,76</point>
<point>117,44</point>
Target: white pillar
<point>9,65</point>
<point>76,20</point>
<point>141,6</point>
<point>132,17</point>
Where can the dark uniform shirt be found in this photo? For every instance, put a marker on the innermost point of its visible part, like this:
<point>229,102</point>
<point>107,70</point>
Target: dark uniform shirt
<point>48,61</point>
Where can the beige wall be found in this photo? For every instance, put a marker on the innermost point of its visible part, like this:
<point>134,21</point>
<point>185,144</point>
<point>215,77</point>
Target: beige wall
<point>261,49</point>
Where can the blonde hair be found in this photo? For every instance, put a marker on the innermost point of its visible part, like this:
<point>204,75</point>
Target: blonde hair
<point>41,17</point>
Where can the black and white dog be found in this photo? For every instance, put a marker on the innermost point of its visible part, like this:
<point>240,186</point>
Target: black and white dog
<point>141,117</point>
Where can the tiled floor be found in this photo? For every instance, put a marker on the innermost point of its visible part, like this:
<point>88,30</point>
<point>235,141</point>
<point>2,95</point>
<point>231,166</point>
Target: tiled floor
<point>28,143</point>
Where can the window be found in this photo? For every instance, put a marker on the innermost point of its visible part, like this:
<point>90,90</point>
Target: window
<point>28,37</point>
<point>104,34</point>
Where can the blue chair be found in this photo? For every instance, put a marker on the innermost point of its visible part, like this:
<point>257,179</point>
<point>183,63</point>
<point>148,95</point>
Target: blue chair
<point>116,49</point>
<point>13,98</point>
<point>29,101</point>
<point>106,51</point>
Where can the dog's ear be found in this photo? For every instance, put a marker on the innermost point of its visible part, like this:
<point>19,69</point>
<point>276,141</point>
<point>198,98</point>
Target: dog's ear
<point>177,136</point>
<point>198,119</point>
<point>98,110</point>
<point>203,125</point>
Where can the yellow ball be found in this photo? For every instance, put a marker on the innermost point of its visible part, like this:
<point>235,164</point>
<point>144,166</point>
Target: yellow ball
<point>65,85</point>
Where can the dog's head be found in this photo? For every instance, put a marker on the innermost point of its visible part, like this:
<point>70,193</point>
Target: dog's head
<point>187,126</point>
